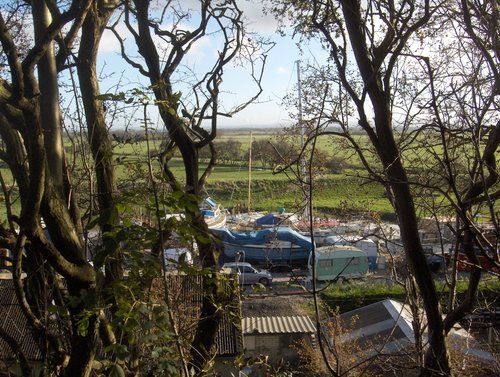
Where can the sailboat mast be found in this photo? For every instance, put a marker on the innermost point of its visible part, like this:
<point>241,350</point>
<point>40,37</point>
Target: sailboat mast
<point>250,173</point>
<point>303,177</point>
<point>299,88</point>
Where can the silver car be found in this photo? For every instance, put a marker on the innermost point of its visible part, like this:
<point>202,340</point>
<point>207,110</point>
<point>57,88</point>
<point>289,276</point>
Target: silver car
<point>248,274</point>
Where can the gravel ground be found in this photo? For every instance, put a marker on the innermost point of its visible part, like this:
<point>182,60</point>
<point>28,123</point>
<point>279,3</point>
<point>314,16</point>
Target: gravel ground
<point>283,298</point>
<point>276,305</point>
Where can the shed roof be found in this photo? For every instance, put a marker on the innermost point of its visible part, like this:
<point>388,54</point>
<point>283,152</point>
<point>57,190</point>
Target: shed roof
<point>387,326</point>
<point>278,325</point>
<point>379,317</point>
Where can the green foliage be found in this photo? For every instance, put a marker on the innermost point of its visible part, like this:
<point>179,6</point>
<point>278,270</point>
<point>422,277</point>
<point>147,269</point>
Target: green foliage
<point>360,289</point>
<point>353,294</point>
<point>120,97</point>
<point>116,370</point>
<point>140,314</point>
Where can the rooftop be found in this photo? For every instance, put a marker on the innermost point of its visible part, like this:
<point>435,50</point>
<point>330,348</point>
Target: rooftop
<point>278,325</point>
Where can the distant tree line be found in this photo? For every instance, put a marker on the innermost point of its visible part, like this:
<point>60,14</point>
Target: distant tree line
<point>268,154</point>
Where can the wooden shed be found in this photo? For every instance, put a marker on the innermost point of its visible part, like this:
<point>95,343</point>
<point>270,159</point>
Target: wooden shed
<point>275,335</point>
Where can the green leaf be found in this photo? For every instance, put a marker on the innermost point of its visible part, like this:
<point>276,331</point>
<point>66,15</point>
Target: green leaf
<point>99,259</point>
<point>116,371</point>
<point>175,97</point>
<point>83,326</point>
<point>92,223</point>
<point>111,97</point>
<point>149,338</point>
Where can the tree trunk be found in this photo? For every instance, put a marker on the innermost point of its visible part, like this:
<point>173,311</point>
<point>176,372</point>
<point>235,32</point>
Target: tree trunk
<point>49,99</point>
<point>83,340</point>
<point>98,135</point>
<point>437,358</point>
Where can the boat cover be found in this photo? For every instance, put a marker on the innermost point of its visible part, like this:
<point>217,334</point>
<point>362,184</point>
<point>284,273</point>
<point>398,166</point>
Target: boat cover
<point>259,237</point>
<point>269,219</point>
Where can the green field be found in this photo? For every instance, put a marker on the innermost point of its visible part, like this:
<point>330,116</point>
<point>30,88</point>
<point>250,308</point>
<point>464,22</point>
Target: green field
<point>331,195</point>
<point>344,192</point>
<point>229,184</point>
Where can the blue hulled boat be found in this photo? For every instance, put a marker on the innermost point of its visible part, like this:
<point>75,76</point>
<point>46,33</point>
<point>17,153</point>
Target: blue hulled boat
<point>281,246</point>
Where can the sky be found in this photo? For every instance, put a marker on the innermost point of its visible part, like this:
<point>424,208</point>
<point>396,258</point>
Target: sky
<point>279,79</point>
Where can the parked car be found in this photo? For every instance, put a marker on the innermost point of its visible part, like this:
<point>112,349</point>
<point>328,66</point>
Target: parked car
<point>247,274</point>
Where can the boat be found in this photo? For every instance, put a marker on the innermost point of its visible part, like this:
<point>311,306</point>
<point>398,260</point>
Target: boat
<point>272,220</point>
<point>258,220</point>
<point>213,213</point>
<point>280,247</point>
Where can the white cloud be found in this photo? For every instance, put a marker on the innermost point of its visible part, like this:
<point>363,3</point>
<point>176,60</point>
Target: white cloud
<point>200,50</point>
<point>256,20</point>
<point>282,70</point>
<point>109,43</point>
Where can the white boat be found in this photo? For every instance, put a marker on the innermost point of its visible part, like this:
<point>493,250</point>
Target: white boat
<point>262,220</point>
<point>214,214</point>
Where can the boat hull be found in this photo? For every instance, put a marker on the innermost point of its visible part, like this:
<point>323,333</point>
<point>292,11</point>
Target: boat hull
<point>266,255</point>
<point>265,248</point>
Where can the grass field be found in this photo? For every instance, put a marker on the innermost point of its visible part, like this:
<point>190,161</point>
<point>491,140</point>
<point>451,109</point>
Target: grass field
<point>354,294</point>
<point>332,194</point>
<point>228,184</point>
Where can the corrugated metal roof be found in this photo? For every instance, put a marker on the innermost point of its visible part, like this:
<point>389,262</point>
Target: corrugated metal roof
<point>278,325</point>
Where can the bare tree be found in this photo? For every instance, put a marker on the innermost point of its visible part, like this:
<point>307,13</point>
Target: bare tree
<point>183,115</point>
<point>32,133</point>
<point>422,83</point>
<point>462,140</point>
<point>375,88</point>
<point>35,135</point>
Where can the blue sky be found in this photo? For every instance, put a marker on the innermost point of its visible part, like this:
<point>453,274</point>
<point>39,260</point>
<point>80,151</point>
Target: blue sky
<point>280,75</point>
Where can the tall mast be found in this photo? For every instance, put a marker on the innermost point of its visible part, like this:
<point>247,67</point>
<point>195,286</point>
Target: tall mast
<point>250,173</point>
<point>303,176</point>
<point>299,87</point>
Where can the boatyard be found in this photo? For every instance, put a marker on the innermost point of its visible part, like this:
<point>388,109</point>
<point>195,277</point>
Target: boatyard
<point>249,188</point>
